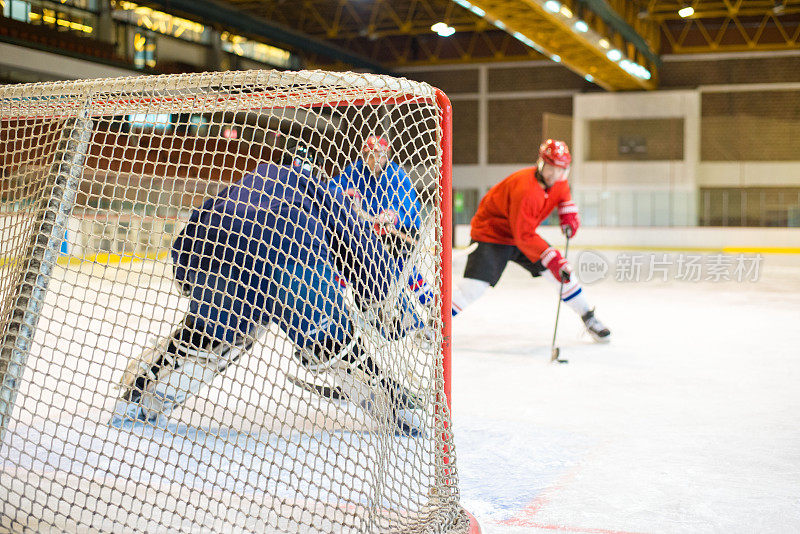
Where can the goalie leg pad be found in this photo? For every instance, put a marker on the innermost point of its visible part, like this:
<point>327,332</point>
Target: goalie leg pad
<point>358,379</point>
<point>393,319</point>
<point>167,374</point>
<point>342,363</point>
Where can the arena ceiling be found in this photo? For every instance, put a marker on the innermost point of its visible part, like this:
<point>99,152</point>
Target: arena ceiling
<point>392,34</point>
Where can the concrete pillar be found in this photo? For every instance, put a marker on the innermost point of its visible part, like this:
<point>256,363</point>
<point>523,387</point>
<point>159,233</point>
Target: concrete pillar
<point>105,24</point>
<point>214,55</point>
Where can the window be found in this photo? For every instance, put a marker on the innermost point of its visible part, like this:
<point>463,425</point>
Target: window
<point>63,20</point>
<point>650,139</point>
<point>150,121</point>
<point>17,10</point>
<point>465,204</point>
<point>198,125</point>
<point>749,206</point>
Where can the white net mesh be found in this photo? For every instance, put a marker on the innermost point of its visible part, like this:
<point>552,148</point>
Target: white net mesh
<point>221,301</point>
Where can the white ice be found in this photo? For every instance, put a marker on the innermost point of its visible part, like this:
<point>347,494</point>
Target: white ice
<point>686,422</point>
<point>251,452</point>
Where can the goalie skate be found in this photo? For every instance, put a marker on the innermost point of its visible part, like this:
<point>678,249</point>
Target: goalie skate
<point>381,397</point>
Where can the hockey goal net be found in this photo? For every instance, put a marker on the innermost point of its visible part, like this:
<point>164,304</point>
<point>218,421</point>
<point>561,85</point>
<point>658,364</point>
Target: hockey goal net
<point>160,370</point>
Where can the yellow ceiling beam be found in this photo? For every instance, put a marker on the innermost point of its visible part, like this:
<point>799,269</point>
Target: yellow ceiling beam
<point>731,36</point>
<point>668,10</point>
<point>530,19</point>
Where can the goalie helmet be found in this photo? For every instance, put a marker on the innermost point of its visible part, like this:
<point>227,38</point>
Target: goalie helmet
<point>377,145</point>
<point>555,153</point>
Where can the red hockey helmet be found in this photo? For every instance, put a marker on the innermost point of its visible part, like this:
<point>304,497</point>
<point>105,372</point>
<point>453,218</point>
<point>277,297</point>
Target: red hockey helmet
<point>379,145</point>
<point>555,153</point>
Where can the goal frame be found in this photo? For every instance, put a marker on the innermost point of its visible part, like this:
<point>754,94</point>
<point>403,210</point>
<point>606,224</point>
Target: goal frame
<point>23,308</point>
<point>64,174</point>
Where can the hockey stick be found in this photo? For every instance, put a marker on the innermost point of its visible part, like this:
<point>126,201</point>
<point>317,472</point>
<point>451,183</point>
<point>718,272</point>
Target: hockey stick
<point>556,351</point>
<point>328,392</point>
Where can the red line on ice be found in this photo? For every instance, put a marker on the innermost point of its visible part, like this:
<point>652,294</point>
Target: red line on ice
<point>525,518</point>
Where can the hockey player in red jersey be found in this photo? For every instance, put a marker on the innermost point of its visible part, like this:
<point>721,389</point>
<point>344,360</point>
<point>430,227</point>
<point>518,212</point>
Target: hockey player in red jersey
<point>505,225</point>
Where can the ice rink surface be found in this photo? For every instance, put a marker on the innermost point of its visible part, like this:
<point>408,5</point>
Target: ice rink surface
<point>685,422</point>
<point>688,421</point>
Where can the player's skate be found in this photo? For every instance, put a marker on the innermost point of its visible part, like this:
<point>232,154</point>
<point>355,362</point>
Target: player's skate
<point>596,329</point>
<point>167,374</point>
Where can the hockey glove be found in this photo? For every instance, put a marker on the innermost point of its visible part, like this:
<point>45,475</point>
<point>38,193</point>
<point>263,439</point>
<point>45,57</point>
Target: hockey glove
<point>570,221</point>
<point>552,259</point>
<point>352,193</point>
<point>384,220</point>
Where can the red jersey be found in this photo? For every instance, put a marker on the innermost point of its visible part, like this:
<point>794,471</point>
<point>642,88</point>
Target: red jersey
<point>512,210</point>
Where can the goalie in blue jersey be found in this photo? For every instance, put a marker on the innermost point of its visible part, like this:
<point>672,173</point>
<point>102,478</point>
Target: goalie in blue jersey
<point>384,195</point>
<point>268,249</point>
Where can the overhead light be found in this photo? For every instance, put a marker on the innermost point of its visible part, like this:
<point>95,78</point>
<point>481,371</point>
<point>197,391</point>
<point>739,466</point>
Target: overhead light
<point>522,38</point>
<point>443,29</point>
<point>634,69</point>
<point>779,7</point>
<point>556,7</point>
<point>552,6</point>
<point>581,26</point>
<point>478,11</point>
<point>687,11</point>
